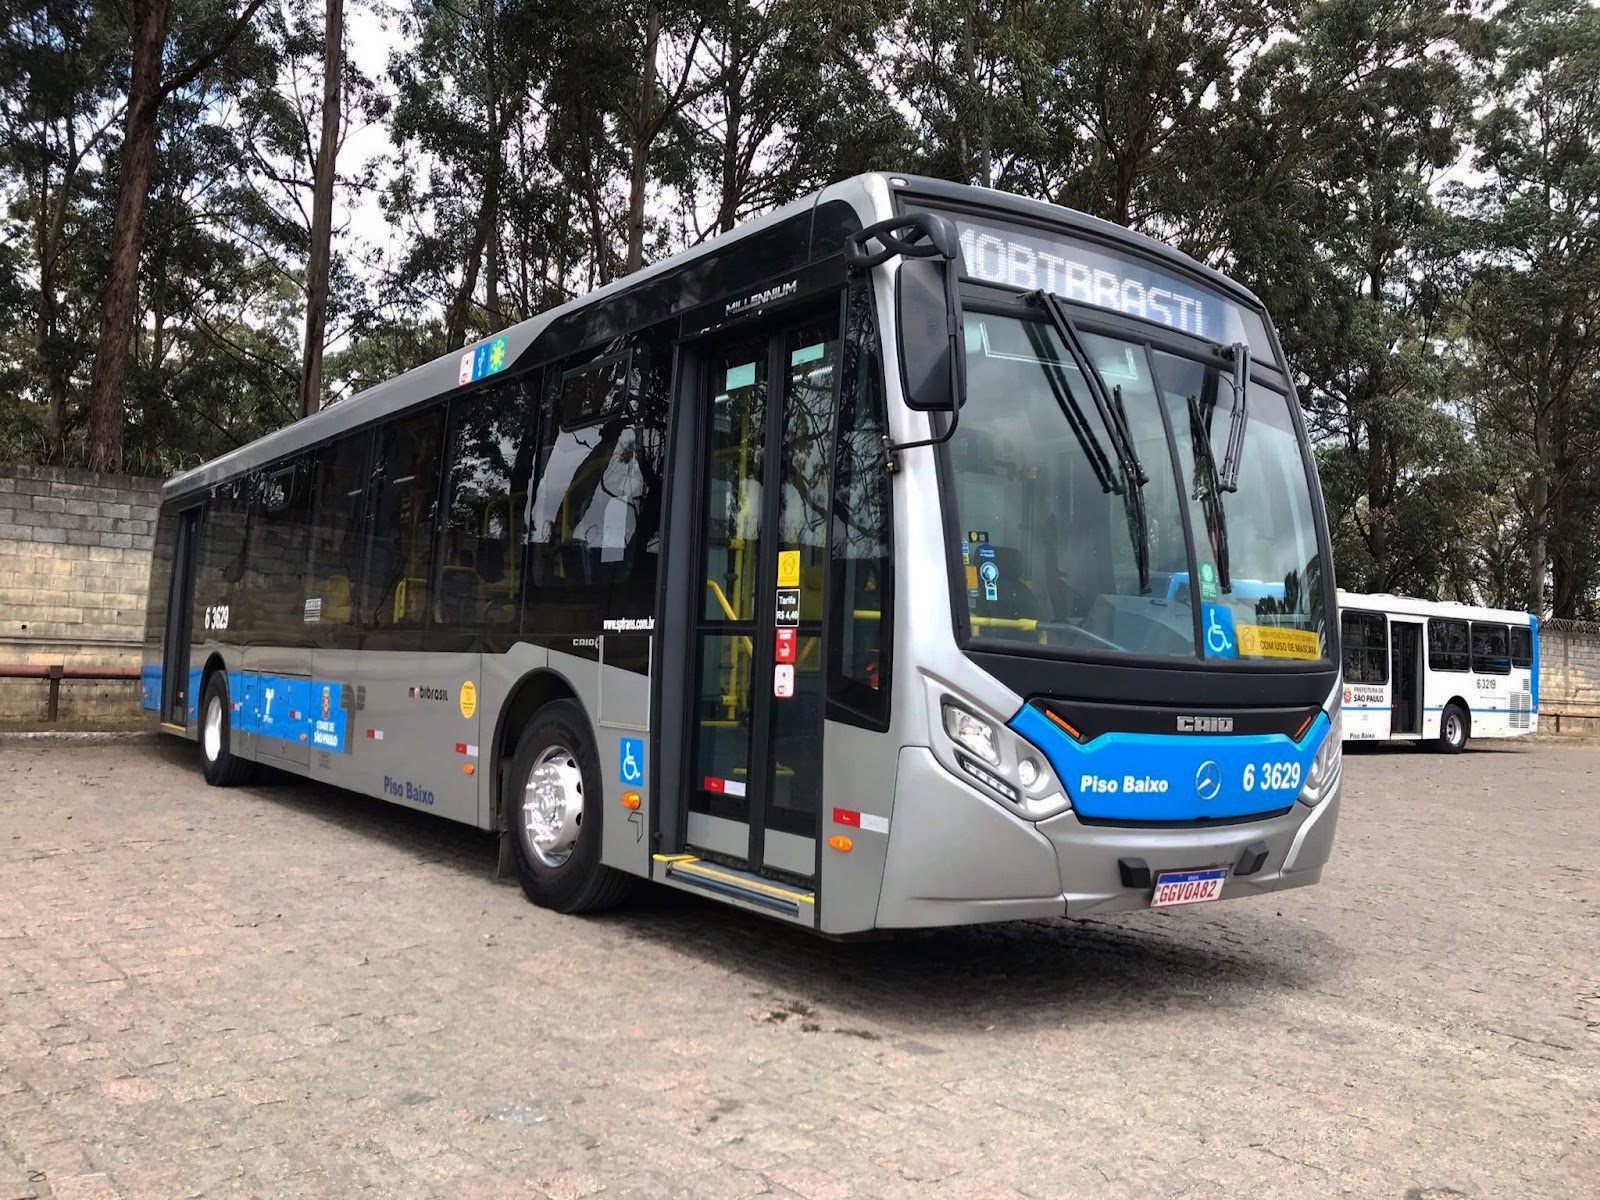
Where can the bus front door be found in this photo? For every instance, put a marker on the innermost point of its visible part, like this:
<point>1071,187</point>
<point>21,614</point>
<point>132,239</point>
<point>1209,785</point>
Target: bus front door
<point>175,699</point>
<point>754,782</point>
<point>1405,673</point>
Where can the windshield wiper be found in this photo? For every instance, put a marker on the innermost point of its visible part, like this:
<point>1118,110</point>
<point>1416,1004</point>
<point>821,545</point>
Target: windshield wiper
<point>1115,418</point>
<point>1240,418</point>
<point>1200,435</point>
<point>1073,411</point>
<point>1111,414</point>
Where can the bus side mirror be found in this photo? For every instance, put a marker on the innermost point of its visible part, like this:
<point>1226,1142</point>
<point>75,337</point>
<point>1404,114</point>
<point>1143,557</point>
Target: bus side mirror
<point>932,346</point>
<point>928,303</point>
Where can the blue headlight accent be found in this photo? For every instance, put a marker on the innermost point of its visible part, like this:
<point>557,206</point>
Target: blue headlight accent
<point>1175,777</point>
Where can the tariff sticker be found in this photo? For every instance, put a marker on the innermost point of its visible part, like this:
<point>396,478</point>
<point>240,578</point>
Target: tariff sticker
<point>788,607</point>
<point>783,645</point>
<point>783,681</point>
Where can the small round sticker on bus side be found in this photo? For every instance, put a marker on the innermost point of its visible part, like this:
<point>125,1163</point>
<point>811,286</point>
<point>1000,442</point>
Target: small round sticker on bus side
<point>469,699</point>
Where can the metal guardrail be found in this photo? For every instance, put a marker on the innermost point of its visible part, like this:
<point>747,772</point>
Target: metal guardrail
<point>56,672</point>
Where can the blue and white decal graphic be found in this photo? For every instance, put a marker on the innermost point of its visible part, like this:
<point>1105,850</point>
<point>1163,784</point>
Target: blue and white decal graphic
<point>1175,777</point>
<point>327,718</point>
<point>1217,631</point>
<point>285,708</point>
<point>630,762</point>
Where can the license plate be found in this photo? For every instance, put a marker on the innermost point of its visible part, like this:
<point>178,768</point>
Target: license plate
<point>1188,887</point>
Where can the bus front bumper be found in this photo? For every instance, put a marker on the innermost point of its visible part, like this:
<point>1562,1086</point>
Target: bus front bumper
<point>956,857</point>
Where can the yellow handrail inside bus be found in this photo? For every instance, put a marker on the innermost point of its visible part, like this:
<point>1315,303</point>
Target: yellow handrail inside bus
<point>1025,624</point>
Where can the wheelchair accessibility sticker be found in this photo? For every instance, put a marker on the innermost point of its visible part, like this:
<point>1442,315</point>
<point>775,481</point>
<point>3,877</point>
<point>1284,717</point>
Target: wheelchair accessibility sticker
<point>630,768</point>
<point>1216,628</point>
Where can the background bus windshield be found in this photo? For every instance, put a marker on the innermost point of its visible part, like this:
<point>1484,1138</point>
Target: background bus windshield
<point>1052,558</point>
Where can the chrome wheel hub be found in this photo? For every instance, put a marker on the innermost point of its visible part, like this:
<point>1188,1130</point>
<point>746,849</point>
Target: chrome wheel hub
<point>212,732</point>
<point>552,806</point>
<point>1452,729</point>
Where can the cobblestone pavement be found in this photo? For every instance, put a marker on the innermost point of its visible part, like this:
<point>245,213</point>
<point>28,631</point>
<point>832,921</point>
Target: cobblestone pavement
<point>291,991</point>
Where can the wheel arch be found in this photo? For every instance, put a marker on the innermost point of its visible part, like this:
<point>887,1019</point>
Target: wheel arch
<point>530,693</point>
<point>214,664</point>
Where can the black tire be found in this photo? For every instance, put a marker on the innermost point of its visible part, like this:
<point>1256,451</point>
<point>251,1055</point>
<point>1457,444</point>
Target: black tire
<point>567,877</point>
<point>1455,728</point>
<point>222,767</point>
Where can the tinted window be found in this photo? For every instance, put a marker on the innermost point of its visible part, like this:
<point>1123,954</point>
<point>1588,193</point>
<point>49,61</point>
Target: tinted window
<point>596,390</point>
<point>338,507</point>
<point>220,566</point>
<point>1448,646</point>
<point>280,529</point>
<point>1521,646</point>
<point>594,522</point>
<point>405,482</point>
<point>1364,640</point>
<point>858,585</point>
<point>480,537</point>
<point>1491,649</point>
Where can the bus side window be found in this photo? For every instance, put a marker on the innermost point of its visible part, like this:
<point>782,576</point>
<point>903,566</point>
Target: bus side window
<point>1521,646</point>
<point>1448,645</point>
<point>338,527</point>
<point>1491,649</point>
<point>219,570</point>
<point>860,587</point>
<point>275,560</point>
<point>594,522</point>
<point>478,582</point>
<point>1365,639</point>
<point>400,542</point>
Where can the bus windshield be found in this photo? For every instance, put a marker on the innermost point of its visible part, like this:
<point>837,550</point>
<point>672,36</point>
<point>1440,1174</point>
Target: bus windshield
<point>1062,547</point>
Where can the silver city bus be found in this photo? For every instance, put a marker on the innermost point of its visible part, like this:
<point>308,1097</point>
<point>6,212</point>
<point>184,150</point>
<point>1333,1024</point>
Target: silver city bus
<point>914,555</point>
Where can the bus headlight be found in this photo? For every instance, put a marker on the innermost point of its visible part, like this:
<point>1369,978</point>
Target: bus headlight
<point>1327,766</point>
<point>1008,768</point>
<point>972,733</point>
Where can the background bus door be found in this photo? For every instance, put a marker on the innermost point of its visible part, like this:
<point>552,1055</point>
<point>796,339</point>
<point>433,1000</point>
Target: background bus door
<point>1405,673</point>
<point>753,765</point>
<point>175,698</point>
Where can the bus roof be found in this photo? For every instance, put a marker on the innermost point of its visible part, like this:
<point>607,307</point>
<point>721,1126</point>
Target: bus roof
<point>1410,606</point>
<point>868,195</point>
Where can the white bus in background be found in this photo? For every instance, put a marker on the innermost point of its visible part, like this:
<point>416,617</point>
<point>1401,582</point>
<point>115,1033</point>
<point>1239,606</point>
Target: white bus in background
<point>1426,671</point>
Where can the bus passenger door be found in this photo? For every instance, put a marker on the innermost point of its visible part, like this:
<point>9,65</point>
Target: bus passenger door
<point>1405,673</point>
<point>754,777</point>
<point>175,686</point>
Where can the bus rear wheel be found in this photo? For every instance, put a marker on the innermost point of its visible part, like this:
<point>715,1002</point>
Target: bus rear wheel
<point>222,767</point>
<point>1455,726</point>
<point>554,801</point>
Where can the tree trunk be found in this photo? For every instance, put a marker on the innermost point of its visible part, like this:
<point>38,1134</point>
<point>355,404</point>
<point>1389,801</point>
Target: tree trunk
<point>491,246</point>
<point>318,267</point>
<point>1538,541</point>
<point>644,134</point>
<point>120,299</point>
<point>455,331</point>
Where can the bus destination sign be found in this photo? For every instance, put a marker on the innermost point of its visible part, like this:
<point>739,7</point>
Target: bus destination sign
<point>1076,270</point>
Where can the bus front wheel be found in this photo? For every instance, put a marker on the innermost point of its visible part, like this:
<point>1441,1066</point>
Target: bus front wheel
<point>223,768</point>
<point>1455,726</point>
<point>554,817</point>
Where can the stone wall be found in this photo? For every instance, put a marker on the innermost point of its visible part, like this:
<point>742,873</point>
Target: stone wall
<point>1569,677</point>
<point>74,566</point>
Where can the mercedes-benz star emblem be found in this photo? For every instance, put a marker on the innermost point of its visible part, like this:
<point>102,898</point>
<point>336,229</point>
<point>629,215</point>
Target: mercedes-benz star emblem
<point>1208,780</point>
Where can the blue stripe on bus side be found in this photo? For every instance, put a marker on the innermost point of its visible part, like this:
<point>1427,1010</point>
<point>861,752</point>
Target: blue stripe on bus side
<point>299,711</point>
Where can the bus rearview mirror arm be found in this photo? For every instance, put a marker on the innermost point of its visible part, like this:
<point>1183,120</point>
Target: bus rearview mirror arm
<point>932,345</point>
